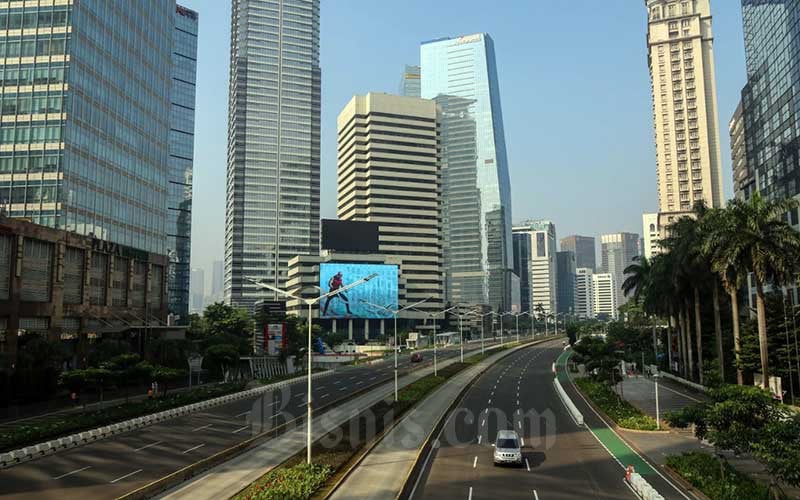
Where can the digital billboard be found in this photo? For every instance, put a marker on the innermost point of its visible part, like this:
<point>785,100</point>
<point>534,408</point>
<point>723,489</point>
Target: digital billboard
<point>349,235</point>
<point>381,290</point>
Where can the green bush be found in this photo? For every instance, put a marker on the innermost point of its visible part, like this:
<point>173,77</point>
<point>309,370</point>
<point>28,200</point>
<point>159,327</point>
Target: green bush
<point>716,478</point>
<point>619,410</point>
<point>293,483</point>
<point>37,432</point>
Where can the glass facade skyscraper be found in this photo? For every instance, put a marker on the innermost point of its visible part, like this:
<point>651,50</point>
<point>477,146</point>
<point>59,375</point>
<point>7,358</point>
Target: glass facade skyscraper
<point>770,100</point>
<point>181,155</point>
<point>272,211</point>
<point>86,116</point>
<point>410,83</point>
<point>461,75</point>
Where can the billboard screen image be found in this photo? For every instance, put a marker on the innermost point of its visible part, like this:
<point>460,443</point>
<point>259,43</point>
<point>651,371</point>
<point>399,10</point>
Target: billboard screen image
<point>381,290</point>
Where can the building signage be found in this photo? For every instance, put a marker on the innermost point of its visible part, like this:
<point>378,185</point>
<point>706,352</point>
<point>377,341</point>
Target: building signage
<point>275,334</point>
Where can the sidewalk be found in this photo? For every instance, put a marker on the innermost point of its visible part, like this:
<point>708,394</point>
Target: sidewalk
<point>234,475</point>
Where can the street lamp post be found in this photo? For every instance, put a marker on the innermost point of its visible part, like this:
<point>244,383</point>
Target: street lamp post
<point>310,302</point>
<point>433,315</point>
<point>394,314</point>
<point>481,316</point>
<point>507,313</point>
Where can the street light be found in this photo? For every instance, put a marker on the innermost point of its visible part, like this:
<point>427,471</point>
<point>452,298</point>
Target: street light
<point>524,313</point>
<point>475,313</point>
<point>394,313</point>
<point>433,315</point>
<point>500,315</point>
<point>507,313</point>
<point>309,303</point>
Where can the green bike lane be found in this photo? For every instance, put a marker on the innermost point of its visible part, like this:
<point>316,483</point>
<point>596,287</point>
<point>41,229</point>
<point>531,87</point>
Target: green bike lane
<point>620,450</point>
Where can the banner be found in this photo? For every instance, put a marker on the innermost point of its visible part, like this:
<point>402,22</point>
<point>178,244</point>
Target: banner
<point>275,335</point>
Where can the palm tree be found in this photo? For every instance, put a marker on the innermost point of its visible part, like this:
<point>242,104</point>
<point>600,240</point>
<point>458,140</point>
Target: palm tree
<point>637,278</point>
<point>771,249</point>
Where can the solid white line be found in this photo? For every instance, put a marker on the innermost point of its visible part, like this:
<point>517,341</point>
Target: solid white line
<point>470,493</point>
<point>240,429</point>
<point>191,449</point>
<point>126,475</point>
<point>528,465</point>
<point>475,462</point>
<point>201,428</point>
<point>148,445</point>
<point>243,414</point>
<point>73,472</point>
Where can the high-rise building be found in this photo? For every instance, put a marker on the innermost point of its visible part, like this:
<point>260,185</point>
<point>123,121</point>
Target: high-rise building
<point>181,154</point>
<point>535,264</point>
<point>460,74</point>
<point>617,253</point>
<point>604,296</point>
<point>743,179</point>
<point>84,140</point>
<point>198,289</point>
<point>565,264</point>
<point>652,236</point>
<point>771,118</point>
<point>410,82</point>
<point>217,280</point>
<point>583,248</point>
<point>389,173</point>
<point>584,293</point>
<point>683,85</point>
<point>272,211</point>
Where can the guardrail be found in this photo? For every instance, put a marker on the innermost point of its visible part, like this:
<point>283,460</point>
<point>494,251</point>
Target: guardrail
<point>28,453</point>
<point>683,381</point>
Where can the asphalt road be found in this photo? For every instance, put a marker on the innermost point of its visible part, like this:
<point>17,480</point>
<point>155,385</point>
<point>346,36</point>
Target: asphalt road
<point>112,467</point>
<point>562,460</point>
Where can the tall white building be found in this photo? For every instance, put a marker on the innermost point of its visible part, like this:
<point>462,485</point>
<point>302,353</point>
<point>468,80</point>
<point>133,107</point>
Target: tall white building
<point>652,235</point>
<point>617,253</point>
<point>681,61</point>
<point>389,173</point>
<point>584,293</point>
<point>604,295</point>
<point>535,263</point>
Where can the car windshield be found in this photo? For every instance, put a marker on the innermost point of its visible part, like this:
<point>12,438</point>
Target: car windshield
<point>507,443</point>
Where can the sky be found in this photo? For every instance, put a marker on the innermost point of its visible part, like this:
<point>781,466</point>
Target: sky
<point>574,88</point>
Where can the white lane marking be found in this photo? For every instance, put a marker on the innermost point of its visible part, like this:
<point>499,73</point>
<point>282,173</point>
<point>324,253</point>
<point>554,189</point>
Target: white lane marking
<point>300,395</point>
<point>148,446</point>
<point>304,403</point>
<point>486,411</point>
<point>372,378</point>
<point>528,465</point>
<point>490,402</point>
<point>475,462</point>
<point>336,381</point>
<point>353,377</point>
<point>519,411</point>
<point>126,475</point>
<point>343,389</point>
<point>240,429</point>
<point>201,428</point>
<point>192,449</point>
<point>522,439</point>
<point>359,382</point>
<point>483,422</point>
<point>470,493</point>
<point>479,438</point>
<point>243,414</point>
<point>325,395</point>
<point>519,424</point>
<point>73,472</point>
<point>535,495</point>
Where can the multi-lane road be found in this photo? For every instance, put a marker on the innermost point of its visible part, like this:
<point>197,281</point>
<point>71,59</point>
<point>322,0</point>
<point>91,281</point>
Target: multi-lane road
<point>112,467</point>
<point>561,459</point>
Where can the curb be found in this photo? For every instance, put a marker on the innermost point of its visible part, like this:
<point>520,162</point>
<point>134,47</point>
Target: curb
<point>28,453</point>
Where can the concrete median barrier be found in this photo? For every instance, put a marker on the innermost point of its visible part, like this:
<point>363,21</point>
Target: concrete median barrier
<point>576,415</point>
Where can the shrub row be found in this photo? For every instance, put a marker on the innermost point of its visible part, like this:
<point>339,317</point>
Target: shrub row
<point>620,411</point>
<point>716,478</point>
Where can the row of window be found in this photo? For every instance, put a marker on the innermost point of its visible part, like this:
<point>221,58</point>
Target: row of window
<point>35,47</point>
<point>28,20</point>
<point>27,75</point>
<point>27,104</point>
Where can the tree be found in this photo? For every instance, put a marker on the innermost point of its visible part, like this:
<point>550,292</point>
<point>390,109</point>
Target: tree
<point>127,370</point>
<point>165,376</point>
<point>771,249</point>
<point>637,278</point>
<point>222,319</point>
<point>219,357</point>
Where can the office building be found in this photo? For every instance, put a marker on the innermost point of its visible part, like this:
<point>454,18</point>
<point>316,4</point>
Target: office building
<point>84,144</point>
<point>389,173</point>
<point>771,123</point>
<point>583,248</point>
<point>217,280</point>
<point>272,209</point>
<point>584,293</point>
<point>743,178</point>
<point>535,264</point>
<point>410,83</point>
<point>181,155</point>
<point>460,74</point>
<point>604,296</point>
<point>198,289</point>
<point>617,253</point>
<point>652,236</point>
<point>683,85</point>
<point>565,286</point>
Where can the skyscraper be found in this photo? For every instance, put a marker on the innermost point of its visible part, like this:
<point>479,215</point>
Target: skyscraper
<point>84,140</point>
<point>681,62</point>
<point>410,82</point>
<point>617,253</point>
<point>217,280</point>
<point>605,296</point>
<point>181,154</point>
<point>583,247</point>
<point>584,293</point>
<point>652,235</point>
<point>743,178</point>
<point>461,76</point>
<point>272,211</point>
<point>198,288</point>
<point>565,284</point>
<point>389,173</point>
<point>536,265</point>
<point>771,118</point>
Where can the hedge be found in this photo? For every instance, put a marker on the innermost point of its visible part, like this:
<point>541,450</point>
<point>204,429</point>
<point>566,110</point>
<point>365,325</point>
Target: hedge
<point>716,478</point>
<point>620,411</point>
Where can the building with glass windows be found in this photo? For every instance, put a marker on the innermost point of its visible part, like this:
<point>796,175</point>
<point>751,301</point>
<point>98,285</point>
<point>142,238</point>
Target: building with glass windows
<point>460,74</point>
<point>536,265</point>
<point>565,263</point>
<point>181,157</point>
<point>582,247</point>
<point>410,83</point>
<point>618,251</point>
<point>272,210</point>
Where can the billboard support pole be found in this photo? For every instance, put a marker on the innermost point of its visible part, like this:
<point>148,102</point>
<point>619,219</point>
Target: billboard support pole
<point>435,372</point>
<point>461,335</point>
<point>395,356</point>
<point>308,389</point>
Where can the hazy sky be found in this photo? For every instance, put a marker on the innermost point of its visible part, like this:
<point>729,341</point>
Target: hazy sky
<point>574,87</point>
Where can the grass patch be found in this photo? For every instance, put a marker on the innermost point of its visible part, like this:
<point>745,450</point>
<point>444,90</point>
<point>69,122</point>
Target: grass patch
<point>295,482</point>
<point>716,478</point>
<point>37,432</point>
<point>620,411</point>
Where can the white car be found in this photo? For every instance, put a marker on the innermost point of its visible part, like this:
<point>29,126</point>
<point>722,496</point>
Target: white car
<point>507,449</point>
